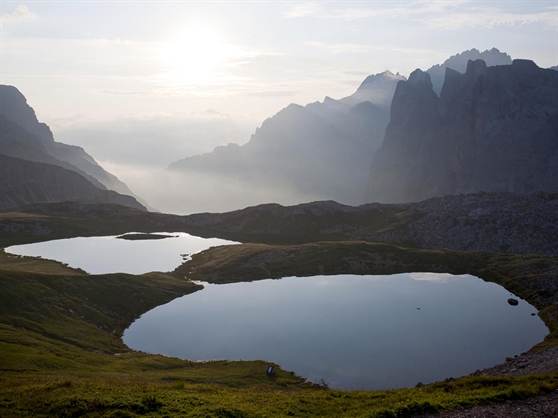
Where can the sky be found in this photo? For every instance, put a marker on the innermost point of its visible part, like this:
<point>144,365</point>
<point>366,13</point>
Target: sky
<point>144,83</point>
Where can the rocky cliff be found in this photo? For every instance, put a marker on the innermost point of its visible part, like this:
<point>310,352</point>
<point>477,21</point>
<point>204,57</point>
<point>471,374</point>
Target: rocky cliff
<point>491,129</point>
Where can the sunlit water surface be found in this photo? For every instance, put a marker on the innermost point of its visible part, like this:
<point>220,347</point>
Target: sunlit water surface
<point>101,255</point>
<point>367,332</point>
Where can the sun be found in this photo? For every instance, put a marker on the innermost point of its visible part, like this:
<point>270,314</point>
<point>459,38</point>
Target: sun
<point>194,54</point>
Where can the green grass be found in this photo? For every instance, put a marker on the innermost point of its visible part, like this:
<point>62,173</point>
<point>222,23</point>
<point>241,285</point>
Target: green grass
<point>116,396</point>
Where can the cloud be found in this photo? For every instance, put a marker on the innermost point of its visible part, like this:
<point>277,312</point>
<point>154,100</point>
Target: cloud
<point>452,15</point>
<point>317,11</point>
<point>21,14</point>
<point>336,48</point>
<point>491,17</point>
<point>303,10</point>
<point>272,93</point>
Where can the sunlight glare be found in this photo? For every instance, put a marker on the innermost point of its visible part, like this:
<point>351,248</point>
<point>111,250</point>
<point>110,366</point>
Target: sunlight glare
<point>194,55</point>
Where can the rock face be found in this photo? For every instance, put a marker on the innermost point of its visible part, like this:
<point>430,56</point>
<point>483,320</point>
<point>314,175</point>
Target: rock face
<point>23,136</point>
<point>492,129</point>
<point>321,150</point>
<point>42,169</point>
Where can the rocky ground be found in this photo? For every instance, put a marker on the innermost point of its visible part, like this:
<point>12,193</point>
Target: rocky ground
<point>545,406</point>
<point>541,361</point>
<point>501,222</point>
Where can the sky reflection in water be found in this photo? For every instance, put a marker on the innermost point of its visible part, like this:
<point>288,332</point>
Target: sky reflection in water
<point>352,331</point>
<point>101,255</point>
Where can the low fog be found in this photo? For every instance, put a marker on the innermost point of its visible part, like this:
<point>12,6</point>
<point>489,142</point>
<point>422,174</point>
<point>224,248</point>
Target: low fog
<point>194,192</point>
<point>152,143</point>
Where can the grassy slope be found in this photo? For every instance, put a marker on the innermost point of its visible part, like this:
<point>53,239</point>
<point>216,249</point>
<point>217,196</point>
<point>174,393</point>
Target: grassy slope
<point>62,355</point>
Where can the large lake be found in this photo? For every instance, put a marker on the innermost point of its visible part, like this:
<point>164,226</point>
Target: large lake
<point>101,255</point>
<point>353,332</point>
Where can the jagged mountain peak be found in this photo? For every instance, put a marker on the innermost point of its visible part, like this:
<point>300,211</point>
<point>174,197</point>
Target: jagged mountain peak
<point>372,80</point>
<point>459,62</point>
<point>419,77</point>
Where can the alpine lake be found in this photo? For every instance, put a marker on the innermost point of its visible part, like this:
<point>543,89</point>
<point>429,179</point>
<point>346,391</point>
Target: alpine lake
<point>345,331</point>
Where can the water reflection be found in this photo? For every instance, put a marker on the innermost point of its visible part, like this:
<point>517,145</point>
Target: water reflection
<point>368,332</point>
<point>101,255</point>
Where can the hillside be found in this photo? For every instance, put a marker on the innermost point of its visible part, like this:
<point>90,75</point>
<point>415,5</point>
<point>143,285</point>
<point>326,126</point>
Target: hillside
<point>22,136</point>
<point>24,182</point>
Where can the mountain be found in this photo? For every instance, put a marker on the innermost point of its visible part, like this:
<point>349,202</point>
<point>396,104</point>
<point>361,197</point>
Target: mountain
<point>491,129</point>
<point>39,144</point>
<point>322,150</point>
<point>319,151</point>
<point>458,62</point>
<point>377,89</point>
<point>24,182</point>
<point>23,137</point>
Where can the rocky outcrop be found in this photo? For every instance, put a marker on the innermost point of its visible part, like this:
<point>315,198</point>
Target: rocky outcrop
<point>492,129</point>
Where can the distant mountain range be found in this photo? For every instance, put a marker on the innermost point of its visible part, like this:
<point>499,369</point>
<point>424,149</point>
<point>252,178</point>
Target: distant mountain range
<point>34,167</point>
<point>477,122</point>
<point>324,150</point>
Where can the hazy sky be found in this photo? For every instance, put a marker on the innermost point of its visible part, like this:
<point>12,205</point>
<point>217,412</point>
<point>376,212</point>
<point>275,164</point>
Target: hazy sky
<point>231,64</point>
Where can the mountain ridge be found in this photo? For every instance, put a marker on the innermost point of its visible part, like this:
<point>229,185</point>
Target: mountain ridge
<point>24,138</point>
<point>492,129</point>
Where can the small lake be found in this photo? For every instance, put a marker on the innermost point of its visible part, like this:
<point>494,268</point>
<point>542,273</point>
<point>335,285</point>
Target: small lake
<point>353,332</point>
<point>102,255</point>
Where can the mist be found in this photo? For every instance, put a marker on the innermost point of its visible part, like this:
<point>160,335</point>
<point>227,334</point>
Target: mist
<point>190,192</point>
<point>152,143</point>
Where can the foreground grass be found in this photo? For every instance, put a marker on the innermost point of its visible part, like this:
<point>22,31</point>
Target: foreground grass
<point>115,396</point>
